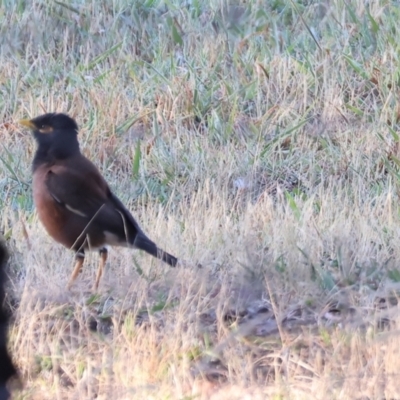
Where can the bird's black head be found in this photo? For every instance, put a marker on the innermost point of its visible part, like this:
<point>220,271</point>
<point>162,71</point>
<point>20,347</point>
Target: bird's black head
<point>56,136</point>
<point>50,123</point>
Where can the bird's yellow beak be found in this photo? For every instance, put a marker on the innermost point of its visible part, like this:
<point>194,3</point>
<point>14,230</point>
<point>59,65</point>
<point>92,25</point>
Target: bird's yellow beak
<point>28,123</point>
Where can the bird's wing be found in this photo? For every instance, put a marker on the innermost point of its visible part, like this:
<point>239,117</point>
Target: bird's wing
<point>118,205</point>
<point>82,191</point>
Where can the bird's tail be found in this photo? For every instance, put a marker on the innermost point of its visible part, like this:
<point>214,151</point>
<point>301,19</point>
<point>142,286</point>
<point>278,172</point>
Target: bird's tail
<point>142,242</point>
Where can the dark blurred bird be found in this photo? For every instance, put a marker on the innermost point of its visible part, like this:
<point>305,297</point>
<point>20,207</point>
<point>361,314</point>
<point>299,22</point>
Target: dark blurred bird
<point>7,369</point>
<point>73,200</point>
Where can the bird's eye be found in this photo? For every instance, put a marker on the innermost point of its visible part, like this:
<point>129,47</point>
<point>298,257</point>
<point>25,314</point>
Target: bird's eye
<point>44,128</point>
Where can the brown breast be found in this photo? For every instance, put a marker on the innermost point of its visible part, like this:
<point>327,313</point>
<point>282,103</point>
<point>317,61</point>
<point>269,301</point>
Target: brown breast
<point>50,213</point>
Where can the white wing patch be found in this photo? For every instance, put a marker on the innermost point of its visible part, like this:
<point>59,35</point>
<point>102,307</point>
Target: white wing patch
<point>75,211</point>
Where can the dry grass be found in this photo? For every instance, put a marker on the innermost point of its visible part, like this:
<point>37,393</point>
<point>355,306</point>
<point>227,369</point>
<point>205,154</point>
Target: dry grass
<point>260,140</point>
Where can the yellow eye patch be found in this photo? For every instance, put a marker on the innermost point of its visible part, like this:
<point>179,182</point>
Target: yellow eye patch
<point>45,129</point>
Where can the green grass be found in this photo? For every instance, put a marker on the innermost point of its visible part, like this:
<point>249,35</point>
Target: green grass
<point>259,139</point>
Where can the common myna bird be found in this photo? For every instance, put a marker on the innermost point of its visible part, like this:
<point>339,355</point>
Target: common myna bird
<point>73,200</point>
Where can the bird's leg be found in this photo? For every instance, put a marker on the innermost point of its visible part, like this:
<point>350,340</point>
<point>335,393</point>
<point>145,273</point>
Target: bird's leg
<point>103,252</point>
<point>79,259</point>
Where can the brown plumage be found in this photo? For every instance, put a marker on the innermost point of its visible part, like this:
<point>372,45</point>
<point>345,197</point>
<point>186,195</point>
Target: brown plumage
<point>73,200</point>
